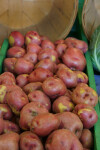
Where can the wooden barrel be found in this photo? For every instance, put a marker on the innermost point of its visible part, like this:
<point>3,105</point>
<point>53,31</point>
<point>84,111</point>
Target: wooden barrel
<point>53,18</point>
<point>90,16</point>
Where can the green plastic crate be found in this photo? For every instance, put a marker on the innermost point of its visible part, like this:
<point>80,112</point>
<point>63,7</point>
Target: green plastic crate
<point>77,32</point>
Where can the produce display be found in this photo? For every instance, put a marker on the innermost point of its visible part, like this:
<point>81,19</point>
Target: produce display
<point>45,100</point>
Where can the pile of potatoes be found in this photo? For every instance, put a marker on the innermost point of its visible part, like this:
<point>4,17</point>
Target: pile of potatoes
<point>45,100</point>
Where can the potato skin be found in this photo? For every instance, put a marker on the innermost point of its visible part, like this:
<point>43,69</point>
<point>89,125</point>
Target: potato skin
<point>39,75</point>
<point>16,99</point>
<point>87,114</point>
<point>44,124</point>
<point>74,59</point>
<point>7,78</point>
<point>46,64</point>
<point>73,42</point>
<point>62,139</point>
<point>32,57</point>
<point>33,48</point>
<point>39,96</point>
<point>68,77</point>
<point>16,52</point>
<point>86,139</point>
<point>28,112</point>
<point>62,104</point>
<point>9,141</point>
<point>30,87</point>
<point>84,94</point>
<point>70,121</point>
<point>9,64</point>
<point>29,140</point>
<point>22,80</point>
<point>5,112</point>
<point>60,49</point>
<point>23,66</point>
<point>47,44</point>
<point>81,77</point>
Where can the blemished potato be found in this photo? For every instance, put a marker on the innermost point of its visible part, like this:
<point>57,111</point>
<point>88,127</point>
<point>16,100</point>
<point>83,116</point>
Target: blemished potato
<point>47,44</point>
<point>7,78</point>
<point>31,56</point>
<point>32,37</point>
<point>70,121</point>
<point>23,66</point>
<point>68,76</point>
<point>39,75</point>
<point>87,114</point>
<point>30,87</point>
<point>5,112</point>
<point>16,99</point>
<point>1,126</point>
<point>48,53</point>
<point>61,41</point>
<point>29,140</point>
<point>9,64</point>
<point>44,124</point>
<point>33,48</point>
<point>73,42</point>
<point>16,52</point>
<point>86,139</point>
<point>9,141</point>
<point>22,80</point>
<point>10,127</point>
<point>60,49</point>
<point>62,104</point>
<point>69,94</point>
<point>74,59</point>
<point>39,96</point>
<point>47,64</point>
<point>54,87</point>
<point>84,94</point>
<point>81,77</point>
<point>28,112</point>
<point>63,139</point>
<point>61,66</point>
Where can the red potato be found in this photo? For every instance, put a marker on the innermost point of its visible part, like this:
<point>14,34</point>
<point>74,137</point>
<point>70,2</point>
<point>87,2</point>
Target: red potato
<point>48,53</point>
<point>22,80</point>
<point>62,104</point>
<point>47,44</point>
<point>28,112</point>
<point>47,64</point>
<point>9,141</point>
<point>16,39</point>
<point>84,94</point>
<point>39,96</point>
<point>87,139</point>
<point>5,112</point>
<point>39,75</point>
<point>44,124</point>
<point>23,66</point>
<point>54,87</point>
<point>60,49</point>
<point>33,48</point>
<point>63,139</point>
<point>9,64</point>
<point>32,37</point>
<point>16,99</point>
<point>1,126</point>
<point>69,94</point>
<point>76,43</point>
<point>81,77</point>
<point>4,89</point>
<point>70,121</point>
<point>10,127</point>
<point>87,114</point>
<point>59,42</point>
<point>30,87</point>
<point>16,52</point>
<point>32,57</point>
<point>74,59</point>
<point>29,140</point>
<point>68,77</point>
<point>7,78</point>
